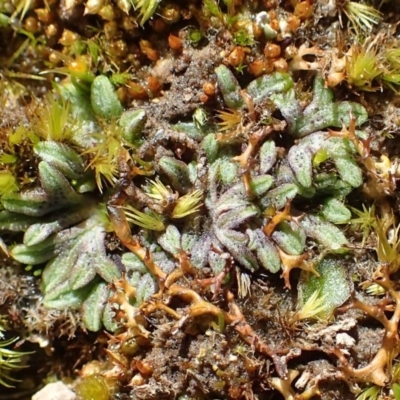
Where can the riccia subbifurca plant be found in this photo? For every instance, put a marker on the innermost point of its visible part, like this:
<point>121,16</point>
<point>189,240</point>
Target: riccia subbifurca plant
<point>199,199</point>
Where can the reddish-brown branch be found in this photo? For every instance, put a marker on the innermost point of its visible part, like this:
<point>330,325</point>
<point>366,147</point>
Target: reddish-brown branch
<point>235,318</point>
<point>248,334</point>
<point>277,219</point>
<point>290,262</point>
<point>375,371</point>
<point>218,279</point>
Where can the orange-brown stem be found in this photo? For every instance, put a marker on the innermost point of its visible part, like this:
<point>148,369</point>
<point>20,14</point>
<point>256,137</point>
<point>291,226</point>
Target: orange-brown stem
<point>218,279</point>
<point>248,334</point>
<point>277,219</point>
<point>290,262</point>
<point>375,371</point>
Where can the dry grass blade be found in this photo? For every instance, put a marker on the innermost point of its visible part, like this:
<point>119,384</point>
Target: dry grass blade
<point>362,16</point>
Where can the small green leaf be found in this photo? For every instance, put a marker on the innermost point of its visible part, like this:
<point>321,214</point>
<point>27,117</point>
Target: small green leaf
<point>266,85</point>
<point>177,171</point>
<point>290,238</point>
<point>132,123</point>
<point>104,100</point>
<point>8,182</point>
<point>56,186</point>
<point>80,275</point>
<point>146,287</point>
<point>80,104</point>
<point>210,147</point>
<point>329,183</point>
<point>300,160</point>
<point>133,263</point>
<point>188,240</point>
<point>229,87</point>
<point>62,157</point>
<point>227,171</point>
<point>63,298</point>
<point>348,108</point>
<point>289,107</point>
<point>105,267</point>
<point>324,232</point>
<point>36,254</point>
<point>335,211</point>
<point>321,94</point>
<point>332,285</point>
<point>15,222</point>
<point>192,129</point>
<point>320,156</point>
<point>237,216</point>
<point>32,203</point>
<point>396,391</point>
<point>237,245</point>
<point>260,184</point>
<point>349,170</point>
<point>5,20</point>
<point>200,252</point>
<point>8,158</point>
<point>339,147</point>
<point>108,318</point>
<point>93,307</point>
<point>265,250</point>
<point>307,192</point>
<point>278,196</point>
<point>170,240</point>
<point>41,231</point>
<point>268,156</point>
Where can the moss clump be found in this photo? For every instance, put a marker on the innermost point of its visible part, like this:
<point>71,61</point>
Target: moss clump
<point>211,183</point>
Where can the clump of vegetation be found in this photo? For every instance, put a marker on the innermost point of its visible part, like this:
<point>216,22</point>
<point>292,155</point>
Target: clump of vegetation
<point>213,176</point>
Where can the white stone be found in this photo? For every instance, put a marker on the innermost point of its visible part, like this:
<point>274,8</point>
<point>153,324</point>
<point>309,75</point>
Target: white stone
<point>55,391</point>
<point>345,340</point>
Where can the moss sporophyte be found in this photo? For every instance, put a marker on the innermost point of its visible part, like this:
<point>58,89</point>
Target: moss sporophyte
<point>199,199</point>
